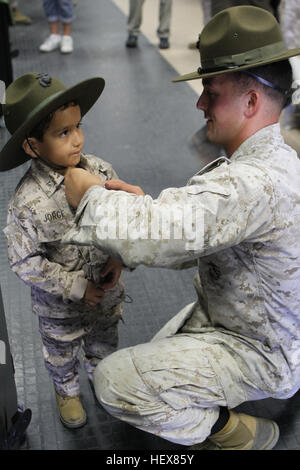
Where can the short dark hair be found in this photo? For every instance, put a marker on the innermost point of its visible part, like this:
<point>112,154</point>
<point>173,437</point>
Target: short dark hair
<point>279,74</point>
<point>39,130</point>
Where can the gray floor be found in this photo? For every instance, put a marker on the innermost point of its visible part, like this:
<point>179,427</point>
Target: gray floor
<point>142,125</point>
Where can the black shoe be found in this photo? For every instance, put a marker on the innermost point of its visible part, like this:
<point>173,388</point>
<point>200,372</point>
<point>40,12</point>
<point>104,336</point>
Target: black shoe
<point>132,41</point>
<point>164,43</point>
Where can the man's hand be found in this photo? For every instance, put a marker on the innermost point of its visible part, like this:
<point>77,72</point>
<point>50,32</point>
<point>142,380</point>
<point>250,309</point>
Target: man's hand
<point>111,273</point>
<point>119,185</point>
<point>77,182</point>
<point>93,294</point>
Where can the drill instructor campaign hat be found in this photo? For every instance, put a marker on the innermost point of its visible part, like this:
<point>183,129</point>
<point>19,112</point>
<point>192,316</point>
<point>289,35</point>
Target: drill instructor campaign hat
<point>32,97</point>
<point>239,38</point>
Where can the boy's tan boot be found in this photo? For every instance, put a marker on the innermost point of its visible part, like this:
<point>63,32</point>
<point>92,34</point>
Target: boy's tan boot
<point>71,411</point>
<point>242,432</point>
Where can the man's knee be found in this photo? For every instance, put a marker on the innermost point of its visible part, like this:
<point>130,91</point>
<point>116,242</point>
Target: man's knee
<point>119,387</point>
<point>112,377</point>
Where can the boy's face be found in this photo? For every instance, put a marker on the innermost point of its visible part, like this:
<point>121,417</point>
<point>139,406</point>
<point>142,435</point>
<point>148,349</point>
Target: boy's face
<point>63,140</point>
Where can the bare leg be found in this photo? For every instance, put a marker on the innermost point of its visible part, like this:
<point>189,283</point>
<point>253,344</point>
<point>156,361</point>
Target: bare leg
<point>54,27</point>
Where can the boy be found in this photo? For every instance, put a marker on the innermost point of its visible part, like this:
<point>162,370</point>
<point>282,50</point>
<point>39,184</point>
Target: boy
<point>75,290</point>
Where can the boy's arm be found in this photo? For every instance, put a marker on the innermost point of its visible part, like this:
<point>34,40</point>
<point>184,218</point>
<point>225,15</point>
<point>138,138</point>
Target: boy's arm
<point>27,258</point>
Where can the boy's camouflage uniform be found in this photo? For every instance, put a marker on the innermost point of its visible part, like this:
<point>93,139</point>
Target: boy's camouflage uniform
<point>38,217</point>
<point>241,340</point>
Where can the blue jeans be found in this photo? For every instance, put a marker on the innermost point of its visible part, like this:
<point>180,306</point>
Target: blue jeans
<point>59,10</point>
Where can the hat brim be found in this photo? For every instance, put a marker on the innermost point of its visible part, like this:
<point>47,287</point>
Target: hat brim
<point>196,75</point>
<point>85,93</point>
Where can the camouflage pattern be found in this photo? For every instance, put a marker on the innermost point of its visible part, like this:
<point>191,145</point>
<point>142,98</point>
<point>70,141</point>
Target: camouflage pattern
<point>38,216</point>
<point>289,13</point>
<point>243,333</point>
<point>62,339</point>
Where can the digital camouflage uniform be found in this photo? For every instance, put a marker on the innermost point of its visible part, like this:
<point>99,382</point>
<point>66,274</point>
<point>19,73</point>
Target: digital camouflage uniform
<point>240,340</point>
<point>38,217</point>
<point>289,11</point>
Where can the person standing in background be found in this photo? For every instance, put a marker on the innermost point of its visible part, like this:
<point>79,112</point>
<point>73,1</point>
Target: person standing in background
<point>58,11</point>
<point>18,16</point>
<point>212,7</point>
<point>135,21</point>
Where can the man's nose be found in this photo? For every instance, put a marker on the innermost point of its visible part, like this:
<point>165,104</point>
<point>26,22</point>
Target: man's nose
<point>201,103</point>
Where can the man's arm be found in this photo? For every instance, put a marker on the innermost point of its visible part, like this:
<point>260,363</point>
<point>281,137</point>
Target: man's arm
<point>78,181</point>
<point>214,212</point>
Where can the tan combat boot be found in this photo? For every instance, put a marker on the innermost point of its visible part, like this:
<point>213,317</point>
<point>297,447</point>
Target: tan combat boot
<point>242,432</point>
<point>20,18</point>
<point>71,411</point>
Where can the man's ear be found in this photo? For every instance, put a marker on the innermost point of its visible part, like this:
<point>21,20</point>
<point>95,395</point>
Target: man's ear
<point>29,146</point>
<point>252,103</point>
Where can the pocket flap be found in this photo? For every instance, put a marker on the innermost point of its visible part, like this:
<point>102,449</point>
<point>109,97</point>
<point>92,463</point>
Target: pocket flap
<point>217,182</point>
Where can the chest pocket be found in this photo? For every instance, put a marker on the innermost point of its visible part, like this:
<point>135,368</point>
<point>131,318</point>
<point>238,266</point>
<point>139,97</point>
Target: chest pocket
<point>48,232</point>
<point>215,182</point>
<point>50,235</point>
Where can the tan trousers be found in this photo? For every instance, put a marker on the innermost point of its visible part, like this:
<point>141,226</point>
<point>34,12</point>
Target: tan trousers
<point>165,387</point>
<point>135,17</point>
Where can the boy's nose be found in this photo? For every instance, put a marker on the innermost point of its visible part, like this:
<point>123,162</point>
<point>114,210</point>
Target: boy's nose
<point>77,138</point>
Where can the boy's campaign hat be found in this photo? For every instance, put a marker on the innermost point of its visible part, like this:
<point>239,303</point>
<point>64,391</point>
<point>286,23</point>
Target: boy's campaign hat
<point>31,98</point>
<point>239,38</point>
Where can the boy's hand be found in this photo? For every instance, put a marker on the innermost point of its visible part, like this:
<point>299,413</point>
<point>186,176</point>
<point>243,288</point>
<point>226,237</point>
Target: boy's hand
<point>119,185</point>
<point>93,294</point>
<point>111,273</point>
<point>77,182</point>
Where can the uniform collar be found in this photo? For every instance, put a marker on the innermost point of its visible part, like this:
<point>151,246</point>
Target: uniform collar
<point>266,135</point>
<point>47,178</point>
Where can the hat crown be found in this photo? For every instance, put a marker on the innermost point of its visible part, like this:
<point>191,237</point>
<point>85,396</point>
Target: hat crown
<point>237,30</point>
<point>25,94</point>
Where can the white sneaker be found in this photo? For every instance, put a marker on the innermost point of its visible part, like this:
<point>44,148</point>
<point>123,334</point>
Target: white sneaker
<point>51,43</point>
<point>66,45</point>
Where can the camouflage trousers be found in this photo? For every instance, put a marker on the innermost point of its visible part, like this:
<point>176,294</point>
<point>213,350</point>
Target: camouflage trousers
<point>165,387</point>
<point>171,387</point>
<point>63,338</point>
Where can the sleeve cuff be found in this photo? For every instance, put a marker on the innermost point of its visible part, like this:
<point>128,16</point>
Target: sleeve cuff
<point>78,288</point>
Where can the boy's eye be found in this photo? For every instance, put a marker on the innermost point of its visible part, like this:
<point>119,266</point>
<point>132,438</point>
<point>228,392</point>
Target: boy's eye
<point>64,133</point>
